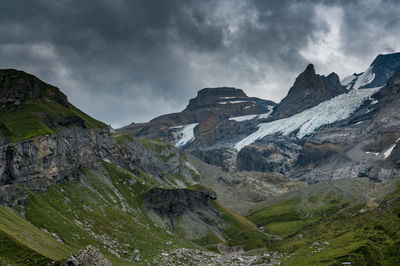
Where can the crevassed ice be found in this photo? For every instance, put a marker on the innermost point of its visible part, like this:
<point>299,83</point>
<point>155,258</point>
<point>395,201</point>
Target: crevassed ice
<point>187,133</point>
<point>366,78</point>
<point>328,112</point>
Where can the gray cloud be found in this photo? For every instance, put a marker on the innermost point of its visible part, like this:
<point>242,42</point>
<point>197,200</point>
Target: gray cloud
<point>124,61</point>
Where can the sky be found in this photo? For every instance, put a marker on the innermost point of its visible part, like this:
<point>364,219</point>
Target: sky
<point>124,61</point>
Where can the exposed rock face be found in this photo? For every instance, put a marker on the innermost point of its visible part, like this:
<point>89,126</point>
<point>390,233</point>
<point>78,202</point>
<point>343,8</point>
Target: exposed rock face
<point>276,154</point>
<point>308,90</point>
<point>184,209</point>
<point>15,86</point>
<point>88,256</point>
<point>39,162</point>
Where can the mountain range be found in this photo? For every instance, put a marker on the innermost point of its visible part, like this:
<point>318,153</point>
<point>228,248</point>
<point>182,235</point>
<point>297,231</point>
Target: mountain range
<point>230,180</point>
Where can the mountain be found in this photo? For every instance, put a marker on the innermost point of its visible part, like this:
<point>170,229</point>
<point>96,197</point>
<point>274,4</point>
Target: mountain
<point>376,75</point>
<point>230,180</point>
<point>319,131</point>
<point>308,90</point>
<point>73,191</point>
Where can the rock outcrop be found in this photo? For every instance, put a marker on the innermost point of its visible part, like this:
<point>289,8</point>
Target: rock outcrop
<point>88,256</point>
<point>191,211</point>
<point>308,90</point>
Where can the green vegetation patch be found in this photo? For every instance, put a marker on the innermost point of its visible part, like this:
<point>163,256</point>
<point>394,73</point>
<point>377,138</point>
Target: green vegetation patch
<point>162,150</point>
<point>241,231</point>
<point>103,210</point>
<point>21,242</point>
<point>34,117</point>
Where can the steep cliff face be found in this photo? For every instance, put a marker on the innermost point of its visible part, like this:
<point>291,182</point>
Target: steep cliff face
<point>308,90</point>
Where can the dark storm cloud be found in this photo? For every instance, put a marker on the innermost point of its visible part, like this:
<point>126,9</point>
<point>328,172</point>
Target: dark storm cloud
<point>124,61</point>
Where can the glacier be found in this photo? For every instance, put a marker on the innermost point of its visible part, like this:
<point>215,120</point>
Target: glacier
<point>308,121</point>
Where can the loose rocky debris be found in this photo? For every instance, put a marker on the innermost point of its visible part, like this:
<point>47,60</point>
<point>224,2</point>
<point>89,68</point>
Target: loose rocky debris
<point>184,256</point>
<point>87,256</point>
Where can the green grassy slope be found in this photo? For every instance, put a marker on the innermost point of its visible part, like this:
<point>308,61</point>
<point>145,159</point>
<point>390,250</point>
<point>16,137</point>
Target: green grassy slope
<point>34,117</point>
<point>328,229</point>
<point>39,109</point>
<point>103,210</point>
<point>23,243</point>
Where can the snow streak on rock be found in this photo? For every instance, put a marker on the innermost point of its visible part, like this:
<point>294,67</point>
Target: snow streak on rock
<point>187,133</point>
<point>366,78</point>
<point>249,117</point>
<point>389,151</point>
<point>243,118</point>
<point>308,121</point>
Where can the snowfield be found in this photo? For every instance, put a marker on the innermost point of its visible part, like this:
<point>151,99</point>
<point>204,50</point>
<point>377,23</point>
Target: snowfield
<point>187,133</point>
<point>308,121</point>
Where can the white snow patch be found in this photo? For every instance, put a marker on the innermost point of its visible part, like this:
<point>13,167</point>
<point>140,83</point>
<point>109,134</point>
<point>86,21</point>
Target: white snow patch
<point>233,102</point>
<point>249,117</point>
<point>347,80</point>
<point>177,127</point>
<point>226,98</point>
<point>187,133</point>
<point>243,118</point>
<point>328,112</point>
<point>374,153</point>
<point>389,151</point>
<point>266,115</point>
<point>366,78</point>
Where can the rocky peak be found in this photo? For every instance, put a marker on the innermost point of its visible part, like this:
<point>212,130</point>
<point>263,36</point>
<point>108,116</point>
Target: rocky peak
<point>16,86</point>
<point>377,74</point>
<point>209,96</point>
<point>308,90</point>
<point>384,67</point>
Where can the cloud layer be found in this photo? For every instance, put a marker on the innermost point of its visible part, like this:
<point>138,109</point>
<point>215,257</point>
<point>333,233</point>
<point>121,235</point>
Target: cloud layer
<point>128,61</point>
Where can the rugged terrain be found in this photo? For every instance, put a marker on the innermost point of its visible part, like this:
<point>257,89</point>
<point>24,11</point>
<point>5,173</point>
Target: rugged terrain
<point>230,180</point>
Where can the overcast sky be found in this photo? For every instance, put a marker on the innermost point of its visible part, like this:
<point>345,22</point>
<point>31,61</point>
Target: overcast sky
<point>125,61</point>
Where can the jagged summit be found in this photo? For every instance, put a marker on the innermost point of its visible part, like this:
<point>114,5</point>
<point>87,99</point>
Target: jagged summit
<point>308,90</point>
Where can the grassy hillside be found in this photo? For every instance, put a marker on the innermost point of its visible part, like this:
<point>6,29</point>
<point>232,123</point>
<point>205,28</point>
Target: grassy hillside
<point>34,117</point>
<point>103,209</point>
<point>327,228</point>
<point>22,243</point>
<point>31,107</point>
